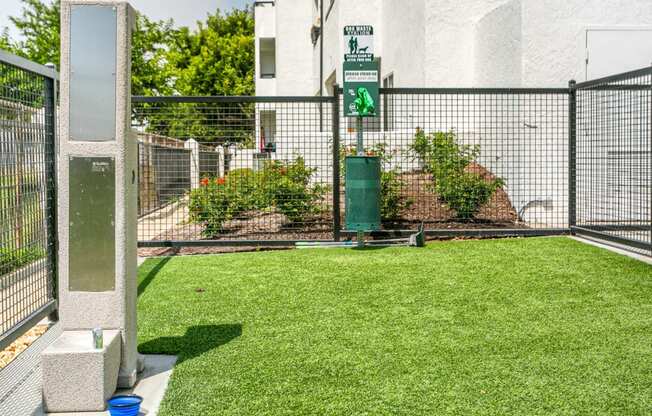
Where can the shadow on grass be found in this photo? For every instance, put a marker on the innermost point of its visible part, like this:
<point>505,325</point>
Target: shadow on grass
<point>152,274</point>
<point>196,341</point>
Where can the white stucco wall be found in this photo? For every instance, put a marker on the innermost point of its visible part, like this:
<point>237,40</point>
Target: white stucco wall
<point>554,34</point>
<point>265,17</point>
<point>404,33</point>
<point>294,71</point>
<point>497,47</point>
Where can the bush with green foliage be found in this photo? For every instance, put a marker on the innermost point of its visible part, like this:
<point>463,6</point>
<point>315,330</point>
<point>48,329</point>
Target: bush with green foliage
<point>281,185</point>
<point>392,200</point>
<point>447,161</point>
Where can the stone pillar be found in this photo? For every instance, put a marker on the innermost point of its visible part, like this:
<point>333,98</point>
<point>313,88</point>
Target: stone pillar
<point>193,146</point>
<point>220,161</point>
<point>97,181</point>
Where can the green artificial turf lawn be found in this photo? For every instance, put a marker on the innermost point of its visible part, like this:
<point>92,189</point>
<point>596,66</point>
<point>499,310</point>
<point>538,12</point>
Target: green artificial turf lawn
<point>515,326</point>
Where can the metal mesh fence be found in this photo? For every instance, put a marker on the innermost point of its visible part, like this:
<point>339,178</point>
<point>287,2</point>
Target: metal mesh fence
<point>164,176</point>
<point>27,180</point>
<point>614,158</point>
<point>471,159</point>
<point>258,169</point>
<point>470,162</point>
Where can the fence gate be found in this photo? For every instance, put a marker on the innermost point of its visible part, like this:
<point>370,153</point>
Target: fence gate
<point>613,154</point>
<point>27,195</point>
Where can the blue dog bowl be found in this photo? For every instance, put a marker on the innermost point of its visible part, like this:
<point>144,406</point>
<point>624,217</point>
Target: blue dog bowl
<point>124,405</point>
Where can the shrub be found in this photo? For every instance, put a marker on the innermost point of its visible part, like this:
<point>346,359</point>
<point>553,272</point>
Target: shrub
<point>392,201</point>
<point>466,193</point>
<point>284,185</point>
<point>443,157</point>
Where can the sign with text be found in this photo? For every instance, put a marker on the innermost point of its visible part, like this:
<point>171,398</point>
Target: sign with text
<point>358,43</point>
<point>360,75</point>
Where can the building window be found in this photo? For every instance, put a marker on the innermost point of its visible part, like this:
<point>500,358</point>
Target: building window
<point>267,57</point>
<point>268,131</point>
<point>388,104</point>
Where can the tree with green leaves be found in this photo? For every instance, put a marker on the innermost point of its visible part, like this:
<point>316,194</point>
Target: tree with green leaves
<point>39,28</point>
<point>216,58</point>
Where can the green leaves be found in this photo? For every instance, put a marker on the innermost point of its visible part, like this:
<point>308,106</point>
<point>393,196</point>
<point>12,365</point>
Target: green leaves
<point>283,185</point>
<point>216,58</point>
<point>448,161</point>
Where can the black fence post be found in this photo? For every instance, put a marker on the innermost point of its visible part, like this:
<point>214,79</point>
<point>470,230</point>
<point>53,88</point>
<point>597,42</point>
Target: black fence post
<point>572,155</point>
<point>336,163</point>
<point>52,239</point>
<point>649,78</point>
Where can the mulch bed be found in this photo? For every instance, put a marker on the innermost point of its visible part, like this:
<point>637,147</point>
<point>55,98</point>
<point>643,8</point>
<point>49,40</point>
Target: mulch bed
<point>21,344</point>
<point>271,225</point>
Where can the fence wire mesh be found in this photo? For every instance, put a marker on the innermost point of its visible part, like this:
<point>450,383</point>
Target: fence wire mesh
<point>460,159</point>
<point>27,183</point>
<point>614,158</point>
<point>272,169</point>
<point>234,168</point>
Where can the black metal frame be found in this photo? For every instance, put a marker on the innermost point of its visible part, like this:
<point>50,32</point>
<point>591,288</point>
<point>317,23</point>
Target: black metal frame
<point>618,93</point>
<point>571,172</point>
<point>39,155</point>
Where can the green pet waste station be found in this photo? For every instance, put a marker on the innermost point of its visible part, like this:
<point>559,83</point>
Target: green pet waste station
<point>362,172</point>
<point>362,193</point>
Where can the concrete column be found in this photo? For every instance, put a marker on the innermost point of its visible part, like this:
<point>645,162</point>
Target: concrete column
<point>220,161</point>
<point>193,146</point>
<point>97,260</point>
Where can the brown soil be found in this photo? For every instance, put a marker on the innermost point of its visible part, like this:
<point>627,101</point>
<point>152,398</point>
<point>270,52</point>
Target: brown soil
<point>427,208</point>
<point>21,344</point>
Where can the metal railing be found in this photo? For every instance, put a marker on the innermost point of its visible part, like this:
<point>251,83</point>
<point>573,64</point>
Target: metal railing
<point>463,161</point>
<point>517,138</point>
<point>614,159</point>
<point>28,263</point>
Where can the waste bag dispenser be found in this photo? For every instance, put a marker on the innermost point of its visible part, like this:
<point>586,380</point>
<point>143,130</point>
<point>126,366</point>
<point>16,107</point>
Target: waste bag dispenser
<point>362,193</point>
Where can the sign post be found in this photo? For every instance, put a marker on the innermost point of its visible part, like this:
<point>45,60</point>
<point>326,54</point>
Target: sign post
<point>361,99</point>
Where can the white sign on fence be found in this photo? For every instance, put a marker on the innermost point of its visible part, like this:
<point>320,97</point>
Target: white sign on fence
<point>359,43</point>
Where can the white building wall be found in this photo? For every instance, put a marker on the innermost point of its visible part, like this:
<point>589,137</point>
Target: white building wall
<point>449,40</point>
<point>554,34</point>
<point>294,70</point>
<point>265,17</point>
<point>403,29</point>
<point>459,43</point>
<point>497,47</point>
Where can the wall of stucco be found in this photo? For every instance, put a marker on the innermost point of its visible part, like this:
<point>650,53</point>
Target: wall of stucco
<point>497,47</point>
<point>404,33</point>
<point>265,15</point>
<point>444,43</point>
<point>554,34</point>
<point>294,69</point>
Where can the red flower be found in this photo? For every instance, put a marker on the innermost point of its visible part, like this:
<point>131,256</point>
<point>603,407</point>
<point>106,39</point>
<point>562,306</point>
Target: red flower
<point>370,153</point>
<point>203,182</point>
<point>284,171</point>
<point>220,181</point>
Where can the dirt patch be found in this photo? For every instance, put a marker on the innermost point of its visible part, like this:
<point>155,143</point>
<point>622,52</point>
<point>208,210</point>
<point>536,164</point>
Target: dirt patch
<point>498,212</point>
<point>21,344</point>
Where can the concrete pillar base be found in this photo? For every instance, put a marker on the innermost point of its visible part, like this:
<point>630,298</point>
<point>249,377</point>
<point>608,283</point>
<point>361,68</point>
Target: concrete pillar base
<point>78,377</point>
<point>127,380</point>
